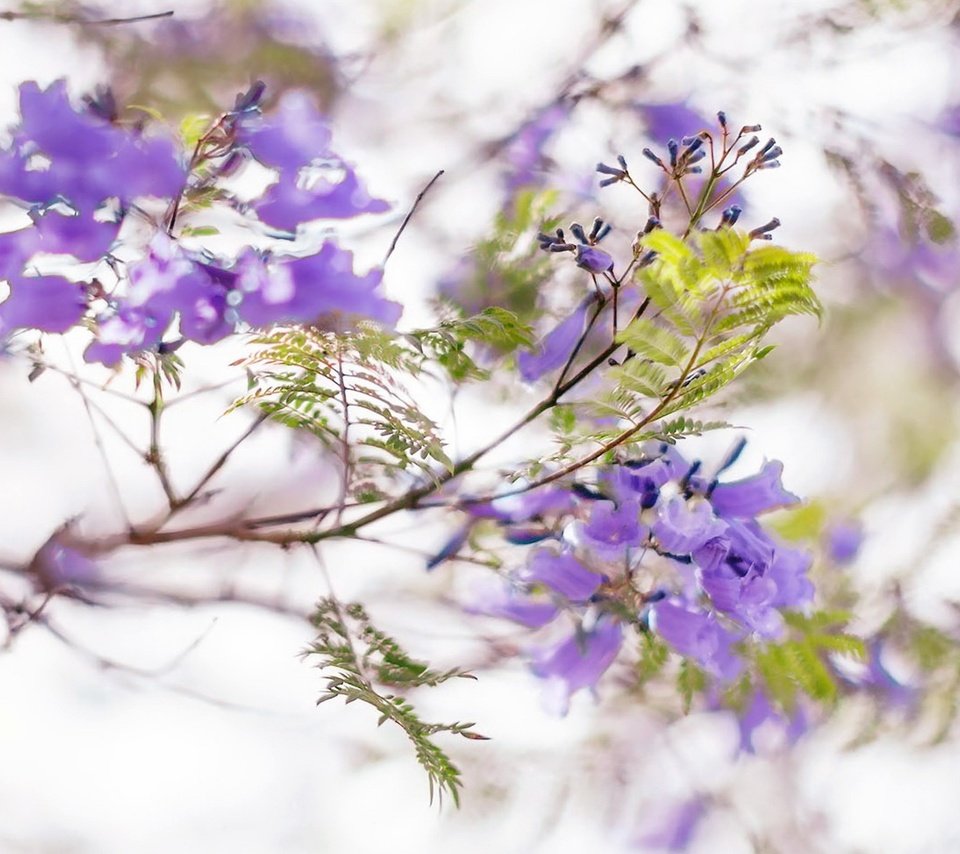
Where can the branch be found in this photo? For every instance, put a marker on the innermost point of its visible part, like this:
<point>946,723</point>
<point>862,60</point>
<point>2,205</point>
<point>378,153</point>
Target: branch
<point>409,216</point>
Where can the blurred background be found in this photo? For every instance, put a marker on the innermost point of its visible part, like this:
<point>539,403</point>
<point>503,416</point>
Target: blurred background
<point>182,717</point>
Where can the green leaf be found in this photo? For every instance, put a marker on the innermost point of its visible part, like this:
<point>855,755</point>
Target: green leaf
<point>645,337</point>
<point>691,680</point>
<point>358,658</point>
<point>939,228</point>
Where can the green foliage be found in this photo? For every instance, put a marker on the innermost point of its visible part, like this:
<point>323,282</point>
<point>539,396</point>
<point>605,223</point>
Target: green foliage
<point>805,522</point>
<point>691,680</point>
<point>493,327</point>
<point>712,298</point>
<point>654,654</point>
<point>347,390</point>
<point>680,427</point>
<point>797,664</point>
<point>358,658</point>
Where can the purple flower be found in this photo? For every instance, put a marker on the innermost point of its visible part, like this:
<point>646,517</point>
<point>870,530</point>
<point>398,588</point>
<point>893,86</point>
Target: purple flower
<point>641,479</point>
<point>555,348</point>
<point>129,330</point>
<point>337,193</point>
<point>761,712</point>
<point>666,121</point>
<point>506,602</point>
<point>750,600</point>
<point>166,279</point>
<point>325,283</point>
<point>314,182</point>
<point>712,553</point>
<point>843,540</point>
<point>561,572</point>
<point>696,635</point>
<point>292,137</point>
<point>579,661</point>
<point>50,303</point>
<point>55,233</point>
<point>789,572</point>
<point>524,152</point>
<point>56,565</point>
<point>682,530</point>
<point>528,505</point>
<point>451,546</point>
<point>87,159</point>
<point>593,260</point>
<point>750,549</point>
<point>82,236</point>
<point>611,529</point>
<point>753,495</point>
<point>672,828</point>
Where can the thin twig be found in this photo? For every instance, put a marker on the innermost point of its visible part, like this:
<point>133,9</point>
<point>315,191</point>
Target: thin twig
<point>218,464</point>
<point>409,216</point>
<point>98,441</point>
<point>74,19</point>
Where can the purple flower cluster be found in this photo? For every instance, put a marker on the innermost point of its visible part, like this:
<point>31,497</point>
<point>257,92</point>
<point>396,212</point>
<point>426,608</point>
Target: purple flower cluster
<point>88,182</point>
<point>655,544</point>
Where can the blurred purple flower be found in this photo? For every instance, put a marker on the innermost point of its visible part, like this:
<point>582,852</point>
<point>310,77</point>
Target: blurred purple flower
<point>593,260</point>
<point>524,153</point>
<point>682,530</point>
<point>86,159</point>
<point>761,712</point>
<point>753,495</point>
<point>529,505</point>
<point>749,599</point>
<point>325,282</point>
<point>579,661</point>
<point>56,565</point>
<point>671,120</point>
<point>672,827</point>
<point>507,602</point>
<point>610,530</point>
<point>289,202</point>
<point>293,136</point>
<point>128,330</point>
<point>789,572</point>
<point>554,349</point>
<point>562,573</point>
<point>697,635</point>
<point>843,539</point>
<point>48,303</point>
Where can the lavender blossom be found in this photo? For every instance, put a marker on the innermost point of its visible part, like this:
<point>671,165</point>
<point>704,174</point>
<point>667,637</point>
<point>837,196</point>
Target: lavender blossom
<point>292,137</point>
<point>88,159</point>
<point>843,540</point>
<point>593,260</point>
<point>683,530</point>
<point>524,153</point>
<point>57,565</point>
<point>672,827</point>
<point>697,635</point>
<point>555,348</point>
<point>761,713</point>
<point>49,303</point>
<point>675,120</point>
<point>610,530</point>
<point>502,600</point>
<point>579,661</point>
<point>753,495</point>
<point>788,571</point>
<point>335,193</point>
<point>562,573</point>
